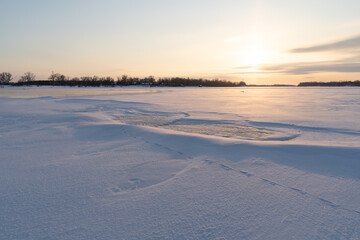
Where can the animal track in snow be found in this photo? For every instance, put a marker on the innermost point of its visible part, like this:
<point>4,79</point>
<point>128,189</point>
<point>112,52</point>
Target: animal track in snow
<point>147,174</point>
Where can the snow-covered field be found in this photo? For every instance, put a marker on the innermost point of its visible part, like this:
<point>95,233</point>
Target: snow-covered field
<point>180,163</point>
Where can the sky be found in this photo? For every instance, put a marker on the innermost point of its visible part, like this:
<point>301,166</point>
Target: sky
<point>259,42</point>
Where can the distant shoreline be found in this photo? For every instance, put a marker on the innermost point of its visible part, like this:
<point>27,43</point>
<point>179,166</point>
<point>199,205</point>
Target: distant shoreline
<point>178,82</point>
<point>330,84</point>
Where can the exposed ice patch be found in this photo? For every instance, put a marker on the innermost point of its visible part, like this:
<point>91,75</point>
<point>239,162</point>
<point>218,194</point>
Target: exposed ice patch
<point>305,128</point>
<point>182,122</point>
<point>220,129</point>
<point>153,120</point>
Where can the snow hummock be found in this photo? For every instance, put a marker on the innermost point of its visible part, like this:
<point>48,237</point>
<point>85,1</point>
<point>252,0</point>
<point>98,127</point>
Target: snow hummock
<point>180,163</point>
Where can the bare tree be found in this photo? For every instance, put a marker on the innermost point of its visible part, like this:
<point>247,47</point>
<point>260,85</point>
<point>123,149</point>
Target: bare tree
<point>57,77</point>
<point>5,78</point>
<point>27,77</point>
<point>53,76</point>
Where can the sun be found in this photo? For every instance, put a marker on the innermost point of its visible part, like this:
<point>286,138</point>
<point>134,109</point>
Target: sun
<point>254,56</point>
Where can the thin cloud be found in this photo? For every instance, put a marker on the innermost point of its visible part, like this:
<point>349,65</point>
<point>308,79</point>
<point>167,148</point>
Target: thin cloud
<point>351,43</point>
<point>239,73</point>
<point>339,68</point>
<point>303,68</point>
<point>346,65</point>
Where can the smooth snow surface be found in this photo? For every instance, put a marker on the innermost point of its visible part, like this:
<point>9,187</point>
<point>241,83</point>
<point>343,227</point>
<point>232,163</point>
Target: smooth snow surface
<point>180,163</point>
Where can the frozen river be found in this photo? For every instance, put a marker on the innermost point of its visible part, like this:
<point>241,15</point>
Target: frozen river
<point>180,163</point>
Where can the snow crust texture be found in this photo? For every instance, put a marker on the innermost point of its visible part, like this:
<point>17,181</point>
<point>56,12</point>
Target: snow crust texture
<point>186,163</point>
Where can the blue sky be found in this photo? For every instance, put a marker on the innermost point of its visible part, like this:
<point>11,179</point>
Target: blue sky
<point>235,40</point>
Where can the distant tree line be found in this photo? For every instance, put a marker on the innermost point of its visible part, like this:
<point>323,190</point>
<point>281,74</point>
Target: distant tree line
<point>57,79</point>
<point>330,84</point>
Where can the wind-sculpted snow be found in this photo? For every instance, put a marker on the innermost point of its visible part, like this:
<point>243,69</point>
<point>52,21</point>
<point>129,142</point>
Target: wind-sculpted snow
<point>177,164</point>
